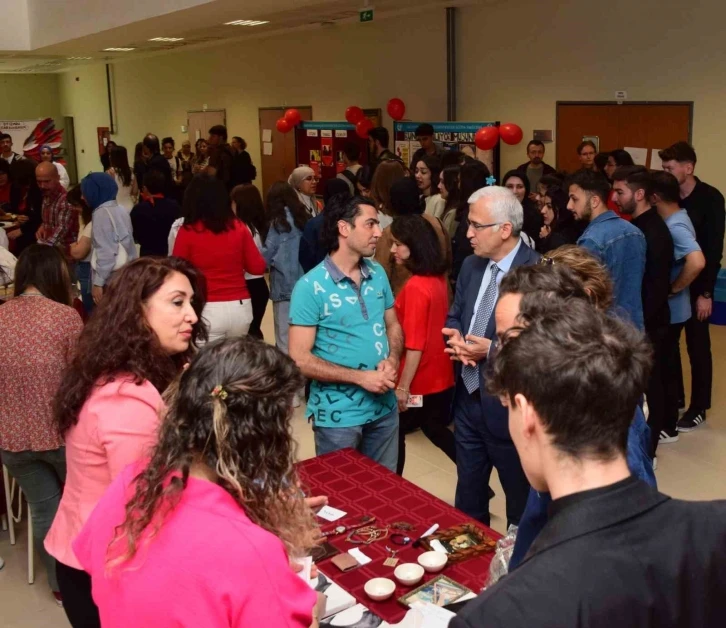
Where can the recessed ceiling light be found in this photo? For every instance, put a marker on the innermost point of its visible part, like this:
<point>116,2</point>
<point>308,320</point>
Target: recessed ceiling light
<point>246,23</point>
<point>166,39</point>
<point>78,58</point>
<point>118,49</point>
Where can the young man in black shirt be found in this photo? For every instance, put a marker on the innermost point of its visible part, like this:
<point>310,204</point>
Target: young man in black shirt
<point>378,140</point>
<point>425,137</point>
<point>632,194</point>
<point>706,209</point>
<point>614,552</point>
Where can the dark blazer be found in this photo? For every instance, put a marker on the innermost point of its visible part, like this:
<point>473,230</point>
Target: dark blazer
<point>546,169</point>
<point>625,556</point>
<point>467,289</point>
<point>152,223</point>
<point>311,251</point>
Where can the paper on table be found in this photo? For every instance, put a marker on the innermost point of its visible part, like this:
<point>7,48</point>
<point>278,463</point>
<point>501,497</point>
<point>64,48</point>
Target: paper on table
<point>267,148</point>
<point>433,616</point>
<point>304,573</point>
<point>359,556</point>
<point>266,135</point>
<point>639,155</point>
<point>330,514</point>
<point>655,161</point>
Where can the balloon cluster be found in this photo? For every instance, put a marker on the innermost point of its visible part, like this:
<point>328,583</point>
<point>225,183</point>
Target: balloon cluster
<point>289,121</point>
<point>354,115</point>
<point>487,137</point>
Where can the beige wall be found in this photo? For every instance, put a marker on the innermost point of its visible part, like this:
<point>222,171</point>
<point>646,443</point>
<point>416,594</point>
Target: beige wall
<point>570,50</point>
<point>30,96</point>
<point>329,69</point>
<point>654,49</point>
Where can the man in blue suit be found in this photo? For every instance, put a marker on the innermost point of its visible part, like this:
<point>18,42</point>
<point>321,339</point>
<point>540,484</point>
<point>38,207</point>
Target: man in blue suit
<point>480,420</point>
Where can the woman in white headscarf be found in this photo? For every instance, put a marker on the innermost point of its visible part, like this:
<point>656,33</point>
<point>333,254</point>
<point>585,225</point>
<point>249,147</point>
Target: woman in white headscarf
<point>304,182</point>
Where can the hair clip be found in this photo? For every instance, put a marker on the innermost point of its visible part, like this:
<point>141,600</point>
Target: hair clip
<point>546,261</point>
<point>219,391</point>
<point>491,180</point>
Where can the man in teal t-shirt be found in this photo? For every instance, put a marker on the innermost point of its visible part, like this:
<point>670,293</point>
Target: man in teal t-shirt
<point>344,335</point>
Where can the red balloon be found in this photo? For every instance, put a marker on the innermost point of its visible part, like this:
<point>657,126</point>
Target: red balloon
<point>486,138</point>
<point>362,127</point>
<point>510,133</point>
<point>283,126</point>
<point>396,108</point>
<point>354,115</point>
<point>292,116</point>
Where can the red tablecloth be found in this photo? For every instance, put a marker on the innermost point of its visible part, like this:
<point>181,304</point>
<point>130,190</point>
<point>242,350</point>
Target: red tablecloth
<point>359,486</point>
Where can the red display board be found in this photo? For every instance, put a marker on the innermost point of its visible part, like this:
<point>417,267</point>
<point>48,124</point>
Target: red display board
<point>320,145</point>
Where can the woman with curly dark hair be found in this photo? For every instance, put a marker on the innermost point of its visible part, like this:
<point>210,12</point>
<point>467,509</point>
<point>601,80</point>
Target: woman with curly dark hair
<point>216,514</point>
<point>138,339</point>
<point>421,306</point>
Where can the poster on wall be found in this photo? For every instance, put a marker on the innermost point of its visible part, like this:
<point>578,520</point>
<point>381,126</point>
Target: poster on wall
<point>30,135</point>
<point>321,145</point>
<point>449,136</point>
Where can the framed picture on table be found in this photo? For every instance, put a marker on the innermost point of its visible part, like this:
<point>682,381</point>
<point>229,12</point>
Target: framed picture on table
<point>460,542</point>
<point>440,591</point>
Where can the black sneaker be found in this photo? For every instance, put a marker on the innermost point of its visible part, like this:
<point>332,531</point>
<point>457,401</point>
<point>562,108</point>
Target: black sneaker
<point>668,436</point>
<point>691,420</point>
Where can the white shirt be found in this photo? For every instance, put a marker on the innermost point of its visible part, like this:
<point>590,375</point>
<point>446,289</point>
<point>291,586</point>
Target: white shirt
<point>258,242</point>
<point>504,265</point>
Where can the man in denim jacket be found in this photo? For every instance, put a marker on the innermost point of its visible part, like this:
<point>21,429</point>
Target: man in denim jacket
<point>619,245</point>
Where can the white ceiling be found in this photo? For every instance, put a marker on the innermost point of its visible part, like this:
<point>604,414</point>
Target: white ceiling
<point>60,30</point>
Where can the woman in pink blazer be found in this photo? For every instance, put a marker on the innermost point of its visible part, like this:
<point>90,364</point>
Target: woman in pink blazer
<point>107,406</point>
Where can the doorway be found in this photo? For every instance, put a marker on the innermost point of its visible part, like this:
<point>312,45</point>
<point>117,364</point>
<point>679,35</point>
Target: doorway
<point>638,125</point>
<point>199,122</point>
<point>277,156</point>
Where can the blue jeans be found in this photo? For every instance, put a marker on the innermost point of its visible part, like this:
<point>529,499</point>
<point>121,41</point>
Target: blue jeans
<point>377,440</point>
<point>40,475</point>
<point>83,273</point>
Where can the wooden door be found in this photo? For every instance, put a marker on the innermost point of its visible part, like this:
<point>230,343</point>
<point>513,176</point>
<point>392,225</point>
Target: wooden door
<point>282,161</point>
<point>199,123</point>
<point>638,125</point>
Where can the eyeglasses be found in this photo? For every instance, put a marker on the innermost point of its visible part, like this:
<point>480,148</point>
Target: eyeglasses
<point>477,227</point>
<point>546,261</point>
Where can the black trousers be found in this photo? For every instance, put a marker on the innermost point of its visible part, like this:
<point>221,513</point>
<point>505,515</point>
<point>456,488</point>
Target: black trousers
<point>698,343</point>
<point>657,384</point>
<point>433,418</point>
<point>260,295</point>
<point>75,587</point>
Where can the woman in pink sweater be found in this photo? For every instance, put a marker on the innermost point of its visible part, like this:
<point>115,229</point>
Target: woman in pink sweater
<point>202,534</point>
<point>107,407</point>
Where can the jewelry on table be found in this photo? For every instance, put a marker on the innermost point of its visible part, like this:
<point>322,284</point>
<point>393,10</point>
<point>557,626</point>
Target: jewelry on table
<point>404,526</point>
<point>400,539</point>
<point>366,520</point>
<point>391,561</point>
<point>367,535</point>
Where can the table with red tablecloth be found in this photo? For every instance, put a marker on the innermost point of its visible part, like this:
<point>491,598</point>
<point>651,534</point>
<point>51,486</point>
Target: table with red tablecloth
<point>359,486</point>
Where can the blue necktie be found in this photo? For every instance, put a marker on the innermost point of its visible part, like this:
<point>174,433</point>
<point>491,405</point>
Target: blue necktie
<point>470,374</point>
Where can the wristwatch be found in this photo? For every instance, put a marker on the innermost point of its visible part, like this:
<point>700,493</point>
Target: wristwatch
<point>706,295</point>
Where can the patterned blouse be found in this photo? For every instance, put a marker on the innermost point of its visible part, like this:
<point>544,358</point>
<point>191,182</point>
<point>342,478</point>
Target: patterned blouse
<point>39,338</point>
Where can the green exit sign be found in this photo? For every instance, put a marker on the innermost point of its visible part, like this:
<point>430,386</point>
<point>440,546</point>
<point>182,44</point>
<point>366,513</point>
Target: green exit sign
<point>366,15</point>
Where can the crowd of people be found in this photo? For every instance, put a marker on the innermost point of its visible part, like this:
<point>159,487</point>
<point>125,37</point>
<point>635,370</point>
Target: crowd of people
<point>540,319</point>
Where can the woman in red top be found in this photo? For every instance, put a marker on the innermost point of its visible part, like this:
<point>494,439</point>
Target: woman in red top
<point>421,307</point>
<point>221,246</point>
<point>43,330</point>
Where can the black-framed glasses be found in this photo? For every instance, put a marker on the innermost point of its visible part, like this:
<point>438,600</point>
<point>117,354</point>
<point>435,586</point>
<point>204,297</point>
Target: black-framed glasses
<point>477,227</point>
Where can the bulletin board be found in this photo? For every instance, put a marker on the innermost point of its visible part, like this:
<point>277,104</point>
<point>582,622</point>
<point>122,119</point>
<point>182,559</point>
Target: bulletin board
<point>320,146</point>
<point>450,136</point>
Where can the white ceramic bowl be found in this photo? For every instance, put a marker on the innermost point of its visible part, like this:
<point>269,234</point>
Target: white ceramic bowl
<point>379,589</point>
<point>409,574</point>
<point>433,562</point>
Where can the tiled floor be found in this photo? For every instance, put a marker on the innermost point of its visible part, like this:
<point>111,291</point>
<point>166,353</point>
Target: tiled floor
<point>694,468</point>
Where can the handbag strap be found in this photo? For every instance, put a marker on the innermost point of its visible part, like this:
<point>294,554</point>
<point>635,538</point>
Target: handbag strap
<point>113,224</point>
